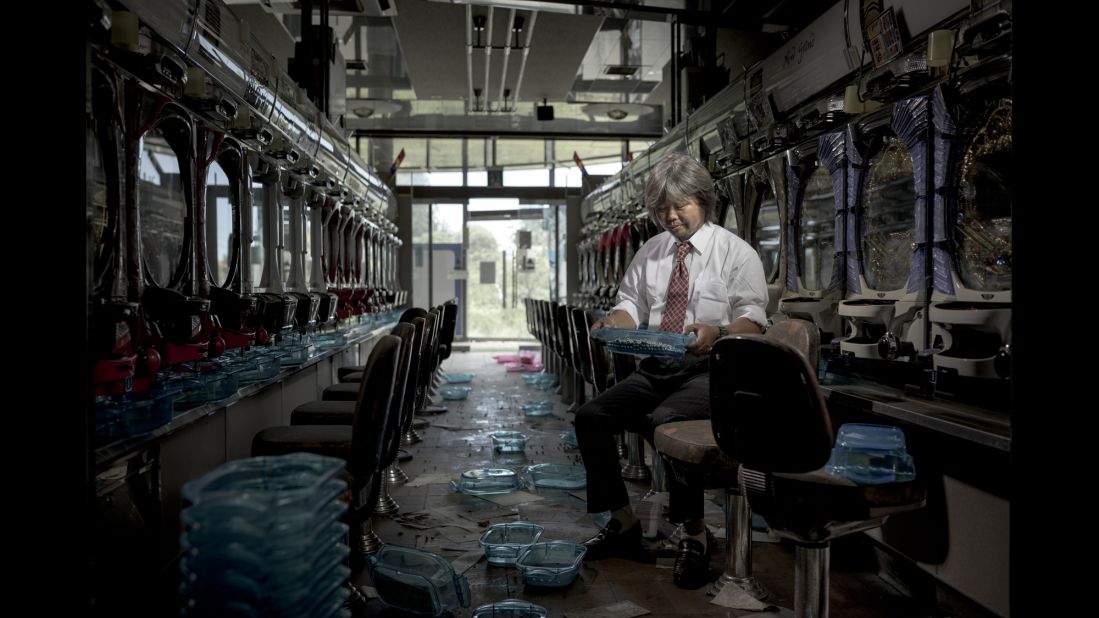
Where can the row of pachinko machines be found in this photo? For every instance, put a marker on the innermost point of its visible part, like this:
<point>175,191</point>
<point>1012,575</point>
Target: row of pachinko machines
<point>226,213</point>
<point>889,228</point>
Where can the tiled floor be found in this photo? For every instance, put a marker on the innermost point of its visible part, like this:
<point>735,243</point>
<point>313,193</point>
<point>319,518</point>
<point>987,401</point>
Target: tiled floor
<point>433,518</point>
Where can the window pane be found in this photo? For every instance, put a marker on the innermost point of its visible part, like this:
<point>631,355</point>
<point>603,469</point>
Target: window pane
<point>589,150</point>
<point>526,178</point>
<point>446,154</point>
<point>516,152</point>
<point>604,169</point>
<point>420,277</point>
<point>567,177</point>
<point>562,256</point>
<point>475,153</point>
<point>415,152</point>
<point>446,223</point>
<point>477,179</point>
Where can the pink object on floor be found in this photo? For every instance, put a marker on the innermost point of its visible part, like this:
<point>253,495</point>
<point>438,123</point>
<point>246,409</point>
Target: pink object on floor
<point>506,358</point>
<point>523,367</point>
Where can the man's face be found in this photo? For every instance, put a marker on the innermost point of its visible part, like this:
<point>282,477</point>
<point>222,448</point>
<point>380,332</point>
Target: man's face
<point>683,219</point>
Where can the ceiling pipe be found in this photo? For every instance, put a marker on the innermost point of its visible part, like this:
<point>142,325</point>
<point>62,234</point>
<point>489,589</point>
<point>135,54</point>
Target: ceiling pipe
<point>526,50</point>
<point>507,53</point>
<point>469,57</point>
<point>720,19</point>
<point>488,57</point>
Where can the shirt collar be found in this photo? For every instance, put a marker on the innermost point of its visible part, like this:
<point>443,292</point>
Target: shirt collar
<point>700,241</point>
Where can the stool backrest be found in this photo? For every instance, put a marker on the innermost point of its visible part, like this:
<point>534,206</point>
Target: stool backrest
<point>412,313</point>
<point>802,335</point>
<point>578,327</point>
<point>767,411</point>
<point>597,355</point>
<point>395,418</point>
<point>372,407</point>
<point>410,393</point>
<point>450,323</point>
<point>426,357</point>
<point>563,341</point>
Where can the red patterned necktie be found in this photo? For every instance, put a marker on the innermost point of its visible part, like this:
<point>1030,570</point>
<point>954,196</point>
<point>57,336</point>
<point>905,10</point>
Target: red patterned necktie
<point>675,301</point>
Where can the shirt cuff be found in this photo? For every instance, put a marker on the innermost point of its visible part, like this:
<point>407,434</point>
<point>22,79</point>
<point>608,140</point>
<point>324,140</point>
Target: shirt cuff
<point>629,308</point>
<point>753,313</point>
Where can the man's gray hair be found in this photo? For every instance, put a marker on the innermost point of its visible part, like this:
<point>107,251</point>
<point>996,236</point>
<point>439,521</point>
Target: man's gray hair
<point>675,178</point>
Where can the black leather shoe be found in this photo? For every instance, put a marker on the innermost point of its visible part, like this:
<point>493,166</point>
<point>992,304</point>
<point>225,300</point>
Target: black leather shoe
<point>613,541</point>
<point>692,565</point>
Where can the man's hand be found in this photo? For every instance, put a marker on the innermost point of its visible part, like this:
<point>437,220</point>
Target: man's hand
<point>615,319</point>
<point>705,336</point>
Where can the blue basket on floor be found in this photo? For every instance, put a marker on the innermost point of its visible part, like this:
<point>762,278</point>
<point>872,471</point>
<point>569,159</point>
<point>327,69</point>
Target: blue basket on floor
<point>460,378</point>
<point>504,542</point>
<point>508,441</point>
<point>537,408</point>
<point>553,565</point>
<point>486,481</point>
<point>455,393</point>
<point>510,608</point>
<point>417,581</point>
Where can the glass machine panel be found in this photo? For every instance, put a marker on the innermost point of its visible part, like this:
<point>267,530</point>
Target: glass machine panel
<point>104,193</point>
<point>982,232</point>
<point>768,231</point>
<point>163,209</point>
<point>817,228</point>
<point>889,220</point>
<point>255,245</point>
<point>727,203</point>
<point>219,224</point>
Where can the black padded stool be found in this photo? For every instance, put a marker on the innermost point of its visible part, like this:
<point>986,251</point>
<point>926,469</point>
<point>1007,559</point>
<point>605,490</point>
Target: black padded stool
<point>343,372</point>
<point>361,444</point>
<point>774,421</point>
<point>324,413</point>
<point>349,376</point>
<point>344,391</point>
<point>691,452</point>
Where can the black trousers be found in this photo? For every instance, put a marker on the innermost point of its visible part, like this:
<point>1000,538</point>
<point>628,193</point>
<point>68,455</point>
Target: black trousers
<point>658,393</point>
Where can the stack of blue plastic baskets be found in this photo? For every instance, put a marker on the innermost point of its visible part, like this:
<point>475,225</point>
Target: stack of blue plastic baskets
<point>263,538</point>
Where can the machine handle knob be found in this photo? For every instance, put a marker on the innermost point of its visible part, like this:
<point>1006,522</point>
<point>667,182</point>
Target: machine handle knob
<point>1002,362</point>
<point>217,347</point>
<point>150,361</point>
<point>889,347</point>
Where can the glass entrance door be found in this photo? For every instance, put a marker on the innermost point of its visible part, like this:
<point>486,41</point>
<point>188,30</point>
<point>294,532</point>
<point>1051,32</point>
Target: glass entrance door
<point>511,255</point>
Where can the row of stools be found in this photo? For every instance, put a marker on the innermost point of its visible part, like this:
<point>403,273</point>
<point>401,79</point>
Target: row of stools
<point>569,351</point>
<point>366,417</point>
<point>766,444</point>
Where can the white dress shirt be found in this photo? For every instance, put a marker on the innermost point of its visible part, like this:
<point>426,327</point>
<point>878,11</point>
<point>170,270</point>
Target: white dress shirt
<point>726,280</point>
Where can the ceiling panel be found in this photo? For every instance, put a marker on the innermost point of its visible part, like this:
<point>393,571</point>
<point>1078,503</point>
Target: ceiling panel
<point>433,43</point>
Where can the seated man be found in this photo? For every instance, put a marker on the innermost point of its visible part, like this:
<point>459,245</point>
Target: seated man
<point>695,277</point>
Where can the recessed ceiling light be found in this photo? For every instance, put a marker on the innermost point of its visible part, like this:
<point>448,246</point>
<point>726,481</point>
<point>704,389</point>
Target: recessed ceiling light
<point>616,111</point>
<point>620,69</point>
